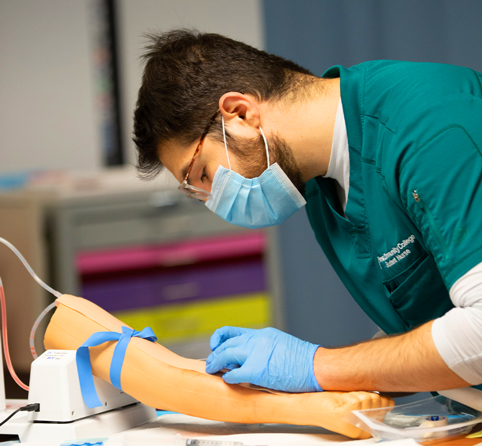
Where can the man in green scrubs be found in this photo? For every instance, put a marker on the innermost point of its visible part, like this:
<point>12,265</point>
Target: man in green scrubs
<point>387,155</point>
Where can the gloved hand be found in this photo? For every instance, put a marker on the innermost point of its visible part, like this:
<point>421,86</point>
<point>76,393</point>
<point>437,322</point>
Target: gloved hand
<point>266,357</point>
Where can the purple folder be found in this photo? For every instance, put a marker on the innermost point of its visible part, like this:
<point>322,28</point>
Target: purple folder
<point>121,292</point>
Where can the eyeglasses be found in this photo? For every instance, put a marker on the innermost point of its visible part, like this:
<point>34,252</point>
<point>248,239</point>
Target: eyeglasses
<point>190,190</point>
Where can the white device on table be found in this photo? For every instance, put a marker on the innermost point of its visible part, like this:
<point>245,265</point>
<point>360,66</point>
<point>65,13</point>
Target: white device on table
<point>61,414</point>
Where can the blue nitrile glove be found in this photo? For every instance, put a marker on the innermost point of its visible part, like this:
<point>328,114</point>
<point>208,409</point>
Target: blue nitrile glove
<point>266,357</point>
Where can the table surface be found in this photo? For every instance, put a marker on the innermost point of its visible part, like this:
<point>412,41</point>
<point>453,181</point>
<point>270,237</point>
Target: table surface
<point>170,426</point>
<point>457,441</point>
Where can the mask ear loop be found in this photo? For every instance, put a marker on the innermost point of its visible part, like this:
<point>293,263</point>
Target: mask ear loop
<point>225,144</point>
<point>265,144</point>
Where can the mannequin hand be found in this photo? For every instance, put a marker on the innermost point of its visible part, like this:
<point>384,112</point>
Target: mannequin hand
<point>266,357</point>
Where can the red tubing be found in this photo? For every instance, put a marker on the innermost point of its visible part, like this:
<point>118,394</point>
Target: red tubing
<point>5,339</point>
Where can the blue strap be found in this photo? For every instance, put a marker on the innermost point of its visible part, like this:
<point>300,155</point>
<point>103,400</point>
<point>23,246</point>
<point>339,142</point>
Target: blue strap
<point>84,368</point>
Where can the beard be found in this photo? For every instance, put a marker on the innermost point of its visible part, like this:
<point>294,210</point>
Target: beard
<point>251,154</point>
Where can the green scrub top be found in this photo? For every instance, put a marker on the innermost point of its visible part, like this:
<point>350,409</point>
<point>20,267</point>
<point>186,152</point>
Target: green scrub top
<point>413,219</point>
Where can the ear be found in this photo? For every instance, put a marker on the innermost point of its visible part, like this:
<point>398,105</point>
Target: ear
<point>240,108</point>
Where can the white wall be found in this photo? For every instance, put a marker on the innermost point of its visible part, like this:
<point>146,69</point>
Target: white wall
<point>47,98</point>
<point>47,109</point>
<point>241,20</point>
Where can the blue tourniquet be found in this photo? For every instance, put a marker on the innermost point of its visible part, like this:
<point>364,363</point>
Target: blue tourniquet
<point>84,368</point>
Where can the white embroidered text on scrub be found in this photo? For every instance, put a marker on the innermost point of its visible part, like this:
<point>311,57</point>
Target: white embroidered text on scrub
<point>397,252</point>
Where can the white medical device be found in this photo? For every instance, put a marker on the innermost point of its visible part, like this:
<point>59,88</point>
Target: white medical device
<point>63,415</point>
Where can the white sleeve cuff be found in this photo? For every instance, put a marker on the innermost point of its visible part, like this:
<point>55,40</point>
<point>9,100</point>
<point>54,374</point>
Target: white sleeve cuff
<point>466,368</point>
<point>458,333</point>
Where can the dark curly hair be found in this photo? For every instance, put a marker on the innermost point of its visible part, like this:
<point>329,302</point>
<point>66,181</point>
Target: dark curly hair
<point>186,73</point>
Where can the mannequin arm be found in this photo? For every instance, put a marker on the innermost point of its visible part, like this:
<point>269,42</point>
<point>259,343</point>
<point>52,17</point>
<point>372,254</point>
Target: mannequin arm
<point>160,378</point>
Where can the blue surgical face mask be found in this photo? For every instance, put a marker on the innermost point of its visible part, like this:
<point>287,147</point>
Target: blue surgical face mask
<point>267,200</point>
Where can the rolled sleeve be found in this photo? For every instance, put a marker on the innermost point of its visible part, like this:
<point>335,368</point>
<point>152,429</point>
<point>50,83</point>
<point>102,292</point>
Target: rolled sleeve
<point>458,334</point>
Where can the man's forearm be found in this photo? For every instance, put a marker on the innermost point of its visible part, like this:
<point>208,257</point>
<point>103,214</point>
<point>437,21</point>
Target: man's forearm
<point>405,363</point>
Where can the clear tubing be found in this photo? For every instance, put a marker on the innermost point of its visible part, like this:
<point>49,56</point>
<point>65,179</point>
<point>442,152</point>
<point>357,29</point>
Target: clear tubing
<point>34,329</point>
<point>36,323</point>
<point>29,269</point>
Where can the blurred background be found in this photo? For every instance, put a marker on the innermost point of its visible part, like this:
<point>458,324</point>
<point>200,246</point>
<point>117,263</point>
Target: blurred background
<point>70,199</point>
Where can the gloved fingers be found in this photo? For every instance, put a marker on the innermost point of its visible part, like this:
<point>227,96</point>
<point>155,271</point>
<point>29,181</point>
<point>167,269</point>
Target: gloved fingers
<point>229,354</point>
<point>232,366</point>
<point>224,333</point>
<point>237,376</point>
